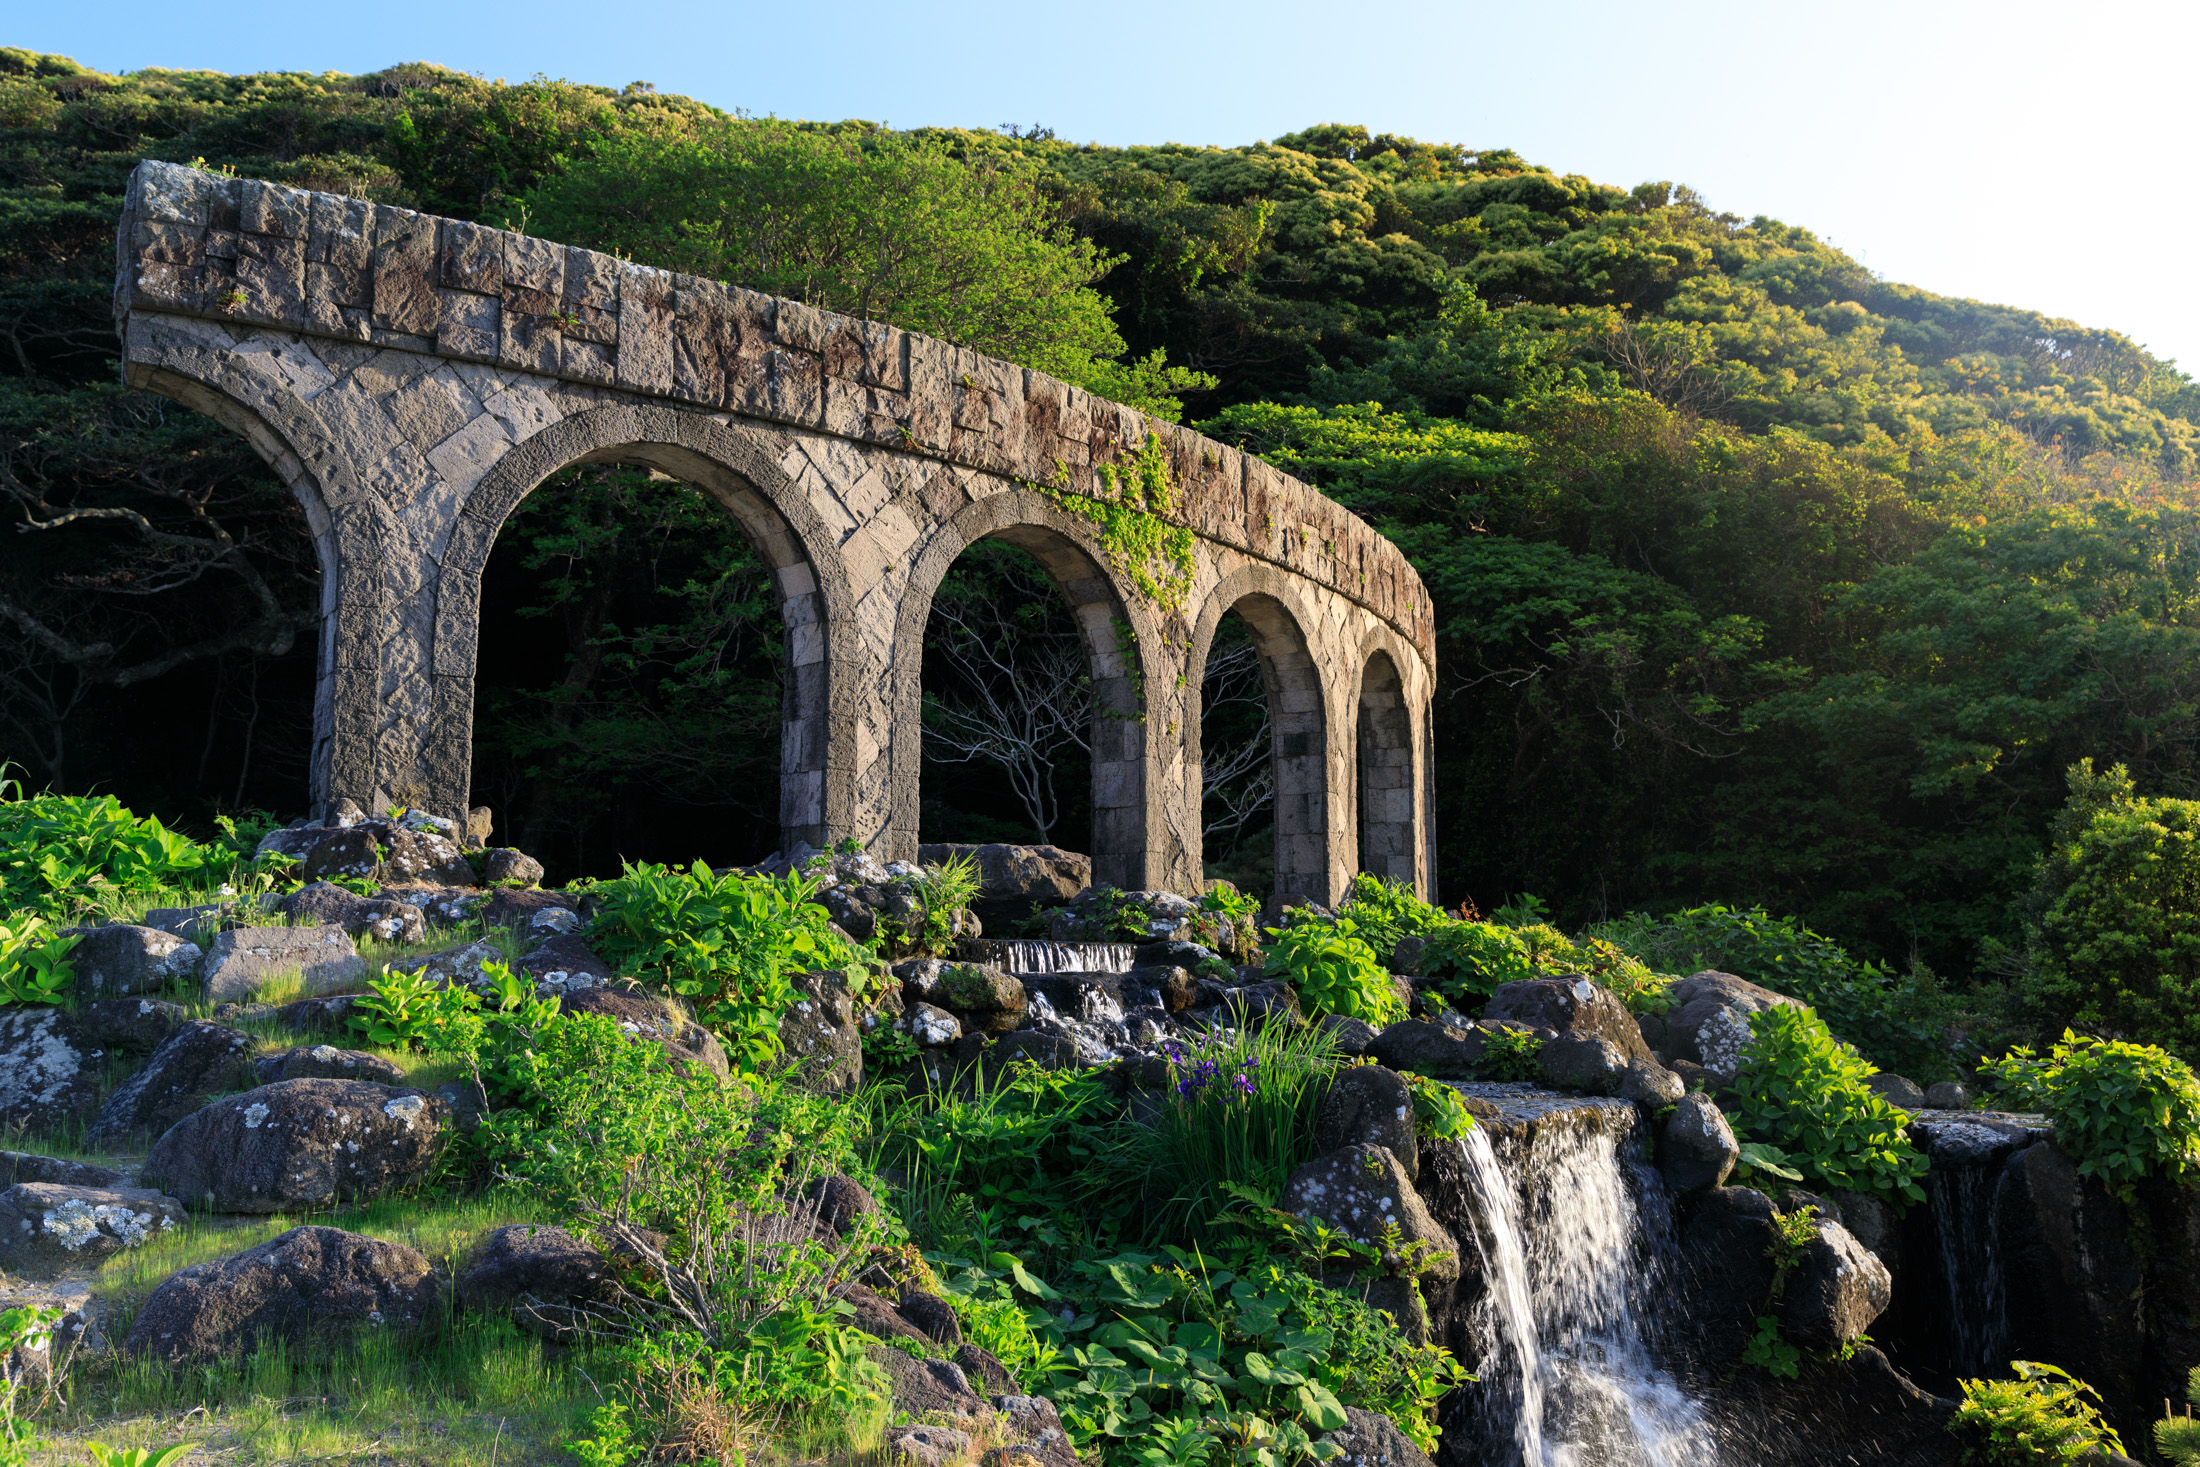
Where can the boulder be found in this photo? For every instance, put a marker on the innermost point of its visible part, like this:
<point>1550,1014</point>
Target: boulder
<point>1103,914</point>
<point>842,1203</point>
<point>441,904</point>
<point>1724,1273</point>
<point>1900,1093</point>
<point>1361,1189</point>
<point>818,1031</point>
<point>1352,1037</point>
<point>196,1061</point>
<point>1370,1440</point>
<point>1016,881</point>
<point>325,904</point>
<point>876,1315</point>
<point>325,1062</point>
<point>26,1166</point>
<point>1406,955</point>
<point>298,1145</point>
<point>309,1283</point>
<point>129,1025</point>
<point>563,962</point>
<point>987,1375</point>
<point>929,1026</point>
<point>1696,1146</point>
<point>931,1314</point>
<point>502,865</point>
<point>49,1070</point>
<point>1571,1005</point>
<point>926,1446</point>
<point>245,960</point>
<point>1032,1046</point>
<point>47,1227</point>
<point>989,999</point>
<point>1034,1430</point>
<point>922,1387</point>
<point>32,1363</point>
<point>547,1281</point>
<point>1834,1291</point>
<point>1369,1105</point>
<point>647,1018</point>
<point>1948,1095</point>
<point>318,1015</point>
<point>1708,1023</point>
<point>1423,1047</point>
<point>1583,1061</point>
<point>117,961</point>
<point>1872,1223</point>
<point>461,964</point>
<point>1650,1085</point>
<point>203,920</point>
<point>507,907</point>
<point>381,851</point>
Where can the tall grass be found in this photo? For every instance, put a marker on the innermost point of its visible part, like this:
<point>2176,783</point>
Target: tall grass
<point>1241,1108</point>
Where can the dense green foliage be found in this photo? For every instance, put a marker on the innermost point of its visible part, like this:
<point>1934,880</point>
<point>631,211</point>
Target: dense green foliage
<point>1802,1090</point>
<point>2124,1111</point>
<point>1332,969</point>
<point>2044,1414</point>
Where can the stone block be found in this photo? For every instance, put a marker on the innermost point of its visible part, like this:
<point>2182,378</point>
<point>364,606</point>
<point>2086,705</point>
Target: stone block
<point>270,209</point>
<point>340,233</point>
<point>245,960</point>
<point>467,326</point>
<point>644,361</point>
<point>405,298</point>
<point>473,258</point>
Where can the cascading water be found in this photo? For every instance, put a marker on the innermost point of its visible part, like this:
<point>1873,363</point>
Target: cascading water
<point>1966,1164</point>
<point>1573,1366</point>
<point>1017,955</point>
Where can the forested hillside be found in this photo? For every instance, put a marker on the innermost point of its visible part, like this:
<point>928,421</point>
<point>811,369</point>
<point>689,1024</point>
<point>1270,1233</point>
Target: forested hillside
<point>1759,578</point>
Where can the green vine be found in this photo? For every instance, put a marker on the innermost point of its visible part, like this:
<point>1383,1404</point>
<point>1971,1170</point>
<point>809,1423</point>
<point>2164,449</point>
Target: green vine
<point>1129,514</point>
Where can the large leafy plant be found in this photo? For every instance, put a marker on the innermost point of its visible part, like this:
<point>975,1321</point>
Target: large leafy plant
<point>1803,1091</point>
<point>2045,1414</point>
<point>1333,971</point>
<point>34,961</point>
<point>2124,1111</point>
<point>1385,911</point>
<point>729,944</point>
<point>59,851</point>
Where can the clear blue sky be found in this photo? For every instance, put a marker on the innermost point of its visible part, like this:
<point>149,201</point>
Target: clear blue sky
<point>2039,155</point>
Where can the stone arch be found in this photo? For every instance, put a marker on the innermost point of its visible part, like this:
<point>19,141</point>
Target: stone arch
<point>1387,797</point>
<point>1272,603</point>
<point>353,530</point>
<point>738,468</point>
<point>1129,844</point>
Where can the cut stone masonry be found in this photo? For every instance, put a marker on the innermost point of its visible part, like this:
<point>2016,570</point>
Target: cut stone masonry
<point>413,378</point>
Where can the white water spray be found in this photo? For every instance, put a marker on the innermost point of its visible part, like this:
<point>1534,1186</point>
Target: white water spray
<point>1583,1387</point>
<point>1020,956</point>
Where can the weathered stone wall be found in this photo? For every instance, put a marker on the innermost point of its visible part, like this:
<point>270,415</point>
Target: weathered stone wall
<point>413,378</point>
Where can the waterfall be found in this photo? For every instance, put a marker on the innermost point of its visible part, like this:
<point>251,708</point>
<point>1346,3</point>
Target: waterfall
<point>1567,1282</point>
<point>1967,1158</point>
<point>1021,956</point>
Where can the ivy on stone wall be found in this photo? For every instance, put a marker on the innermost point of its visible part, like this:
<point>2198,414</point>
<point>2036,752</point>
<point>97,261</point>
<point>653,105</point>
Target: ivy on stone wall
<point>1130,515</point>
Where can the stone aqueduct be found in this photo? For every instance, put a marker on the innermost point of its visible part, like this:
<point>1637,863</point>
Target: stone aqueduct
<point>412,378</point>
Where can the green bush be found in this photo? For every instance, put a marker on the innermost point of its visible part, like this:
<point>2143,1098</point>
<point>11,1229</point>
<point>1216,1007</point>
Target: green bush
<point>1017,1144</point>
<point>1470,959</point>
<point>34,961</point>
<point>1333,971</point>
<point>2123,1111</point>
<point>1438,1111</point>
<point>2176,1437</point>
<point>59,853</point>
<point>728,944</point>
<point>2114,916</point>
<point>1164,1347</point>
<point>1899,1023</point>
<point>1803,1090</point>
<point>1385,911</point>
<point>1509,1055</point>
<point>2041,1416</point>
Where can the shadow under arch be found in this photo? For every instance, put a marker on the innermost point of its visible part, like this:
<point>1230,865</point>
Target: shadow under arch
<point>1385,766</point>
<point>1128,845</point>
<point>351,527</point>
<point>738,468</point>
<point>1298,718</point>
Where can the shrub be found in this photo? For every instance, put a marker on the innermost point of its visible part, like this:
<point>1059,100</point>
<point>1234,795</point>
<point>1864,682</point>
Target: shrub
<point>729,944</point>
<point>2041,1416</point>
<point>2123,1111</point>
<point>1438,1111</point>
<point>941,891</point>
<point>34,961</point>
<point>1385,911</point>
<point>1898,1023</point>
<point>2178,1437</point>
<point>1165,1350</point>
<point>59,852</point>
<point>1017,1142</point>
<point>2114,929</point>
<point>1803,1091</point>
<point>1333,971</point>
<point>1470,960</point>
<point>1509,1055</point>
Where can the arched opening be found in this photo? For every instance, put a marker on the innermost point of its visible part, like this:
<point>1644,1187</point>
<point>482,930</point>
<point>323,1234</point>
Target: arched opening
<point>1263,749</point>
<point>1031,727</point>
<point>650,675</point>
<point>1386,772</point>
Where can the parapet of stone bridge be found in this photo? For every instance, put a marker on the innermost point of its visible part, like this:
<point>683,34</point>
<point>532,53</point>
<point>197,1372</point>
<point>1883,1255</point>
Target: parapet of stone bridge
<point>412,378</point>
